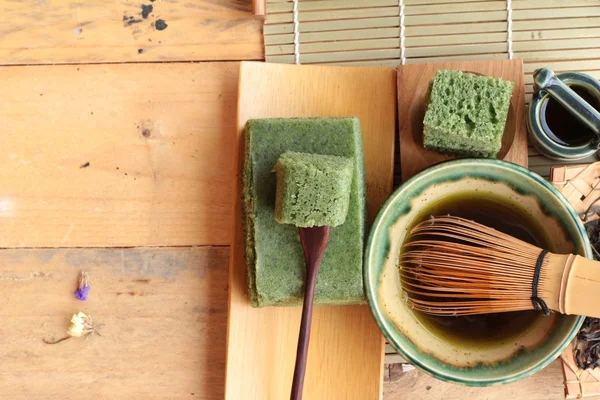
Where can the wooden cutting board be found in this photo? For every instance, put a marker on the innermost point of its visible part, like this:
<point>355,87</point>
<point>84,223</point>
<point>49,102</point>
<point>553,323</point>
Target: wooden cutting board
<point>345,359</point>
<point>413,81</point>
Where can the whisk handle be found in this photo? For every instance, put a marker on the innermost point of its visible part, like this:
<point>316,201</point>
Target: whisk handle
<point>580,287</point>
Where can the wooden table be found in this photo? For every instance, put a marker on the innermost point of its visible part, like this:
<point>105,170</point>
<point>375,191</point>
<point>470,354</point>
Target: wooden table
<point>120,166</point>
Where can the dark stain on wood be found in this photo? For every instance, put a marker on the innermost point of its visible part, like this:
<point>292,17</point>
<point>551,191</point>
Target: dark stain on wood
<point>129,20</point>
<point>146,10</point>
<point>131,293</point>
<point>140,51</point>
<point>160,25</point>
<point>85,165</point>
<point>143,280</point>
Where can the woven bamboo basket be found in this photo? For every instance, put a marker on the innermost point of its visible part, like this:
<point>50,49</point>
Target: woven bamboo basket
<point>580,184</point>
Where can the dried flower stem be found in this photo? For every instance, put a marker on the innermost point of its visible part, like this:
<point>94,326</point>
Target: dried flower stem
<point>57,340</point>
<point>83,287</point>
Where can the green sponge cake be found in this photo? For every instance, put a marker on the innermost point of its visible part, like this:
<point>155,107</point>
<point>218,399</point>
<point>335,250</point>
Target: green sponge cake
<point>274,255</point>
<point>312,189</point>
<point>466,114</point>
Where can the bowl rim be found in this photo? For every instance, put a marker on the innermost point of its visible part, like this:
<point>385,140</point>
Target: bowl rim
<point>375,307</point>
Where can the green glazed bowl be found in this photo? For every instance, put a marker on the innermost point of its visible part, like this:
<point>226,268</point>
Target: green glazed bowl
<point>499,361</point>
<point>537,133</point>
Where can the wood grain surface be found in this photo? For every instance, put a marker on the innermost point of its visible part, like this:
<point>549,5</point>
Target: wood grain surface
<point>92,31</point>
<point>416,385</point>
<point>117,155</point>
<point>413,81</point>
<point>163,312</point>
<point>345,358</point>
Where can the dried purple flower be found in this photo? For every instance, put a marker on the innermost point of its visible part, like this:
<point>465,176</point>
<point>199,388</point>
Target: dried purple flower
<point>82,293</point>
<point>83,287</point>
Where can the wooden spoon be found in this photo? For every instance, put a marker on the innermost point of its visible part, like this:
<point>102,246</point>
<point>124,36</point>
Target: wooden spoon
<point>314,242</point>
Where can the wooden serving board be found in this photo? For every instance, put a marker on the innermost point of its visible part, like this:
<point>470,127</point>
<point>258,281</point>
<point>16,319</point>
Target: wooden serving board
<point>413,81</point>
<point>345,359</point>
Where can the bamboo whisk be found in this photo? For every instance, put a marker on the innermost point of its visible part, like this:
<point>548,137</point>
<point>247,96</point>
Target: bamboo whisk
<point>451,266</point>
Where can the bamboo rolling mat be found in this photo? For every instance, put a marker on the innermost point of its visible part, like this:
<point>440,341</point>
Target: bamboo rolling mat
<point>561,34</point>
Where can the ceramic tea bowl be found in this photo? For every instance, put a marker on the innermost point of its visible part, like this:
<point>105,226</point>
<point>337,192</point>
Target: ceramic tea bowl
<point>482,362</point>
<point>538,131</point>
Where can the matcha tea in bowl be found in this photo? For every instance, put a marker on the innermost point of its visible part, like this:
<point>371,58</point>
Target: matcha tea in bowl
<point>472,350</point>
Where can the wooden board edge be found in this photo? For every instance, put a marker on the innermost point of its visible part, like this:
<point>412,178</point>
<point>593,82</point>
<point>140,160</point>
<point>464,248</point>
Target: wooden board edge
<point>234,280</point>
<point>235,231</point>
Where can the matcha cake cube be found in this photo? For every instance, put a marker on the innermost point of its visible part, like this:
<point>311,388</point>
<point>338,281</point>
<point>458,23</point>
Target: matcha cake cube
<point>312,189</point>
<point>466,114</point>
<point>274,256</point>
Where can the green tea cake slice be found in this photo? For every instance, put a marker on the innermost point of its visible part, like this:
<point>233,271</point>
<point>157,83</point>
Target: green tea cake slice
<point>274,256</point>
<point>466,114</point>
<point>312,189</point>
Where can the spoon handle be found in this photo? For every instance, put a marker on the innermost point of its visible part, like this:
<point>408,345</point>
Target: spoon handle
<point>545,79</point>
<point>314,241</point>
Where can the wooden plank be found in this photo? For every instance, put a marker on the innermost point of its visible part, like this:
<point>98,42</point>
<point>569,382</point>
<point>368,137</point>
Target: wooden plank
<point>413,81</point>
<point>163,312</point>
<point>345,359</point>
<point>90,31</point>
<point>416,385</point>
<point>158,140</point>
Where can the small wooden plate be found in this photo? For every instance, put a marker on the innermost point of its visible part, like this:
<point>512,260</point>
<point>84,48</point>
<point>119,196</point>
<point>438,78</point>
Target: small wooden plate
<point>413,81</point>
